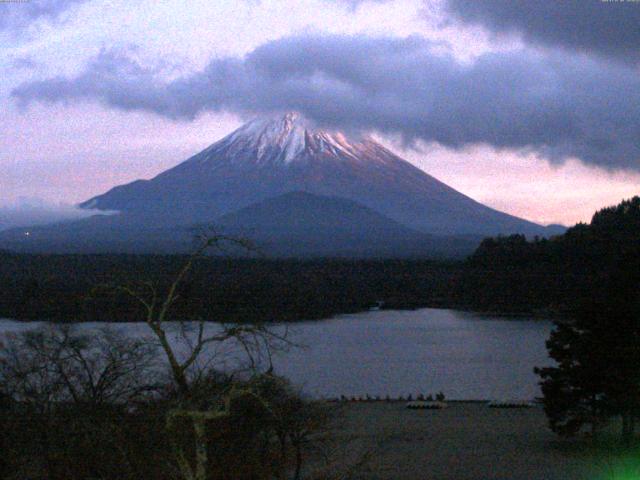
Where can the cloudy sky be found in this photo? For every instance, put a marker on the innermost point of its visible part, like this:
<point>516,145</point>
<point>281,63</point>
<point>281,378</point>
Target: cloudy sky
<point>532,107</point>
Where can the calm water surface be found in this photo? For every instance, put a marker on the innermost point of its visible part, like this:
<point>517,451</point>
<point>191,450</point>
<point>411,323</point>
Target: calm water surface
<point>408,352</point>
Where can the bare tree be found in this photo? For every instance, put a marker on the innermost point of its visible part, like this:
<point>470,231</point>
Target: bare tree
<point>63,385</point>
<point>255,341</point>
<point>55,365</point>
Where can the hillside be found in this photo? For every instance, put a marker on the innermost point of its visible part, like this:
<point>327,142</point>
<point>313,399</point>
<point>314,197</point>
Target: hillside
<point>302,224</point>
<point>513,274</point>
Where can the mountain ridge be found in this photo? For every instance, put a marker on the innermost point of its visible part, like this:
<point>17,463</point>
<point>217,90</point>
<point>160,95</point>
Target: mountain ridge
<point>271,156</point>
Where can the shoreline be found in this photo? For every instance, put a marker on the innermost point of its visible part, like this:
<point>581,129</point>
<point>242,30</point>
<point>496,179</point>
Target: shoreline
<point>515,315</point>
<point>470,441</point>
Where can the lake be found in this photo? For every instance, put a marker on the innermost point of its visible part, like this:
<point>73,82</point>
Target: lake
<point>389,352</point>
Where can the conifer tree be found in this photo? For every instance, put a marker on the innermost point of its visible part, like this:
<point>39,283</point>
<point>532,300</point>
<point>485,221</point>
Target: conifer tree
<point>597,351</point>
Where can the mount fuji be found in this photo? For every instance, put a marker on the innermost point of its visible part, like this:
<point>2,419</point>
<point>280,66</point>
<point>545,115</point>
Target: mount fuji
<point>282,180</point>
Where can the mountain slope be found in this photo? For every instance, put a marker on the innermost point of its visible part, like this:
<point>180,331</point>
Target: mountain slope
<point>98,234</point>
<point>272,156</point>
<point>295,224</point>
<point>303,224</point>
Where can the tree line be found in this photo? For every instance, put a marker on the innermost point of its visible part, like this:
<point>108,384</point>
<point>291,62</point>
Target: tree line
<point>70,288</point>
<point>590,276</point>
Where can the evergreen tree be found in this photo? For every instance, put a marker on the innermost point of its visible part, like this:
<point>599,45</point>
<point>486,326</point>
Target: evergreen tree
<point>597,351</point>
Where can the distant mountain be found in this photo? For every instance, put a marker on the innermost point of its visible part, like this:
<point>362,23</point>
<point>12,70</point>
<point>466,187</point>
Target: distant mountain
<point>295,189</point>
<point>98,234</point>
<point>271,156</point>
<point>295,224</point>
<point>303,224</point>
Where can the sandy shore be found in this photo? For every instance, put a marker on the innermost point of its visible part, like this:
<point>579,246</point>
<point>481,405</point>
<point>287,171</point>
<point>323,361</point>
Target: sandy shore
<point>468,441</point>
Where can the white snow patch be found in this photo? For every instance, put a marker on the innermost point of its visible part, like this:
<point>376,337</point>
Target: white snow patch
<point>282,140</point>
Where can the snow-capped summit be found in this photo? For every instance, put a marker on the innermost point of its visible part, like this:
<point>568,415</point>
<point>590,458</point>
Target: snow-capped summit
<point>275,155</point>
<point>282,139</point>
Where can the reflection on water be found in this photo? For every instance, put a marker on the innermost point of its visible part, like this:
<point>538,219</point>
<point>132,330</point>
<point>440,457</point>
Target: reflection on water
<point>409,352</point>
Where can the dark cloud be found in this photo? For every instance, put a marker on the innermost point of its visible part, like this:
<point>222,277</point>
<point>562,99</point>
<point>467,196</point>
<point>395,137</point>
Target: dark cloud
<point>607,28</point>
<point>15,16</point>
<point>557,104</point>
